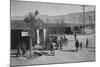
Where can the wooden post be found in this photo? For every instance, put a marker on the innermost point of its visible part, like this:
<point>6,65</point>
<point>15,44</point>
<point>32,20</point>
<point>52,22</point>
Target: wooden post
<point>38,39</point>
<point>30,47</point>
<point>44,31</point>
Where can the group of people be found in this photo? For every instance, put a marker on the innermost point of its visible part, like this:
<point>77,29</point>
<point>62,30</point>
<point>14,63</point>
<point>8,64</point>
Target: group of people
<point>79,44</point>
<point>21,49</point>
<point>56,43</point>
<point>53,44</point>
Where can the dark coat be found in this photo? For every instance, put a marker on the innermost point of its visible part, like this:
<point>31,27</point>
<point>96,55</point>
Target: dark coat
<point>77,44</point>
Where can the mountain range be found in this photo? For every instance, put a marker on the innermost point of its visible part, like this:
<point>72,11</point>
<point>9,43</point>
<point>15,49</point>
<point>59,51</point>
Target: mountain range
<point>17,22</point>
<point>69,18</point>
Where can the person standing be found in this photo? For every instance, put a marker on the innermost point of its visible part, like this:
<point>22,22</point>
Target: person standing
<point>77,45</point>
<point>19,50</point>
<point>23,47</point>
<point>61,43</point>
<point>81,45</point>
<point>87,43</point>
<point>52,48</point>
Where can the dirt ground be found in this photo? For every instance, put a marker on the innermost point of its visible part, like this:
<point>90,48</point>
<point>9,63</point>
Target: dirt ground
<point>66,55</point>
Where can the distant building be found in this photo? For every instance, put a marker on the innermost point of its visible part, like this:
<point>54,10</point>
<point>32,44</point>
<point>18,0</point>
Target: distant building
<point>17,26</point>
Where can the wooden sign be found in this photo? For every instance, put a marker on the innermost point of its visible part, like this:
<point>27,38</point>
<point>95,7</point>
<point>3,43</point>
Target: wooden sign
<point>24,33</point>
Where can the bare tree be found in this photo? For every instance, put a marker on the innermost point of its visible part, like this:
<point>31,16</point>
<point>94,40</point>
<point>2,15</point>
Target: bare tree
<point>31,24</point>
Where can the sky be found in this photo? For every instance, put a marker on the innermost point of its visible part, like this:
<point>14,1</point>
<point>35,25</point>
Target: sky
<point>21,8</point>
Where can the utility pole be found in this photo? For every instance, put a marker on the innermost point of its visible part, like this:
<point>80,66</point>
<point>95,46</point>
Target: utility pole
<point>62,23</point>
<point>83,14</point>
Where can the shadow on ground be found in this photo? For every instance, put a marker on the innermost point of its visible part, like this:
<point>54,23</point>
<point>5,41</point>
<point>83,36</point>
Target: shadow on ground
<point>69,50</point>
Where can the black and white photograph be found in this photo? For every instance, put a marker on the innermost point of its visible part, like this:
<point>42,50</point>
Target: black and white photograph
<point>44,33</point>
